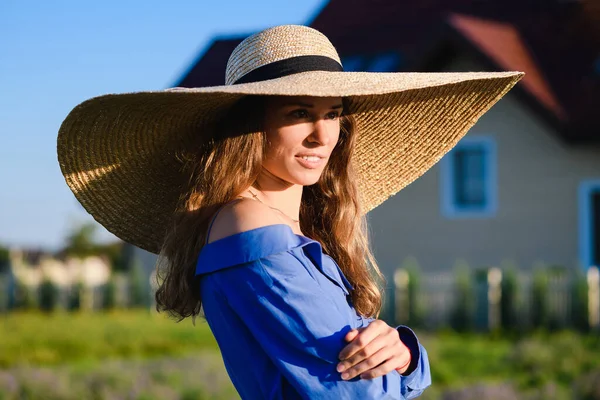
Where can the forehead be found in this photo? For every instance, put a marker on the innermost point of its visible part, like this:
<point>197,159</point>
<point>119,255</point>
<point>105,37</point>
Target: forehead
<point>304,101</point>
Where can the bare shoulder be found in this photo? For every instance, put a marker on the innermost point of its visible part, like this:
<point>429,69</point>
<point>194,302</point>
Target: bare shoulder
<point>241,216</point>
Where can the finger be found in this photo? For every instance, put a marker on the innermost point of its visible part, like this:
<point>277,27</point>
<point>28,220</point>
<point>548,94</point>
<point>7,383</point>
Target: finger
<point>369,363</point>
<point>382,369</point>
<point>399,360</point>
<point>404,362</point>
<point>351,335</point>
<point>379,343</point>
<point>389,335</point>
<point>404,367</point>
<point>366,335</point>
<point>404,359</point>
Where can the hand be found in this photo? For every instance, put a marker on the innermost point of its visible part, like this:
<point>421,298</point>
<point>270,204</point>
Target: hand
<point>375,350</point>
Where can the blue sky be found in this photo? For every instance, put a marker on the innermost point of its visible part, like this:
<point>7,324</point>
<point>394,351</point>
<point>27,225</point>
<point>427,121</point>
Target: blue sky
<point>54,55</point>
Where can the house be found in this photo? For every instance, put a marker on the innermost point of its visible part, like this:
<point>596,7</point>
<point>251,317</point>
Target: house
<point>523,186</point>
<point>29,268</point>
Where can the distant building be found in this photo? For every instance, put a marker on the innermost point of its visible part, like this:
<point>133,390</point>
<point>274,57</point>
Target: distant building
<point>524,184</point>
<point>29,268</point>
<point>33,266</point>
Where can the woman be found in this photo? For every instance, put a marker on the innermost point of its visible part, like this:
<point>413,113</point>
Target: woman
<point>254,194</point>
<point>268,304</point>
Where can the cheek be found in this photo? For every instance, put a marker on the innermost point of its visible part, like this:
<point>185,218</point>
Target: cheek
<point>284,142</point>
<point>275,147</point>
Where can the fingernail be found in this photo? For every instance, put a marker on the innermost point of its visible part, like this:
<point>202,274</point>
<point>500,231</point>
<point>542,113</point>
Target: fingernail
<point>345,375</point>
<point>340,368</point>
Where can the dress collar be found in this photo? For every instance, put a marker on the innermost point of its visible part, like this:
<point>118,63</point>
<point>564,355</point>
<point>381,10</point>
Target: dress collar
<point>260,242</point>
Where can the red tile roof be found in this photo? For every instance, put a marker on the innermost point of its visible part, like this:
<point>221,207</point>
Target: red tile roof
<point>555,42</point>
<point>503,44</point>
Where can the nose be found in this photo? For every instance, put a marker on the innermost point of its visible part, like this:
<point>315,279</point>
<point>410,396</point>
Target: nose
<point>322,132</point>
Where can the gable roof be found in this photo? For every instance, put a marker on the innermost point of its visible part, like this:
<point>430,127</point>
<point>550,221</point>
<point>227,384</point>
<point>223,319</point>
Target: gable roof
<point>555,42</point>
<point>209,68</point>
<point>502,43</point>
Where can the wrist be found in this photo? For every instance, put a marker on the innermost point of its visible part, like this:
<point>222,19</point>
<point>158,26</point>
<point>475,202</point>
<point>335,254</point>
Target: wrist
<point>409,339</point>
<point>402,368</point>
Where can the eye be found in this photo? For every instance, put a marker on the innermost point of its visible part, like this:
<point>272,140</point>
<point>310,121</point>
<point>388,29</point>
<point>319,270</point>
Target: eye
<point>333,115</point>
<point>300,113</point>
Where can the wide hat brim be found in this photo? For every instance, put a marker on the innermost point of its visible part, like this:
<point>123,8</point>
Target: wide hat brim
<point>118,152</point>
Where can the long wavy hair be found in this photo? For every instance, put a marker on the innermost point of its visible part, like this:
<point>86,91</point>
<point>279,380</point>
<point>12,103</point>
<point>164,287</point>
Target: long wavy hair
<point>225,165</point>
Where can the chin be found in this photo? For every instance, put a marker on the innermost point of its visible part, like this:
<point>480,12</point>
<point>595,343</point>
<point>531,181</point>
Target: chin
<point>306,179</point>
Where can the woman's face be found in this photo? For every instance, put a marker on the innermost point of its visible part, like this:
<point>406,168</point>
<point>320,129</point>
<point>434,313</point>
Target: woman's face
<point>301,134</point>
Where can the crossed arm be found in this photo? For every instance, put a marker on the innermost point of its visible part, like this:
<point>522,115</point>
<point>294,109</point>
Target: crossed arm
<point>303,332</point>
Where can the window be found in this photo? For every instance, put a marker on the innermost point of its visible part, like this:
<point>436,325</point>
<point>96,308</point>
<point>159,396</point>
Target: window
<point>468,179</point>
<point>589,223</point>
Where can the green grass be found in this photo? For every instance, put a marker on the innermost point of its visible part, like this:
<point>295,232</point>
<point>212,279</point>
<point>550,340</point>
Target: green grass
<point>54,339</point>
<point>196,376</point>
<point>66,353</point>
<point>528,361</point>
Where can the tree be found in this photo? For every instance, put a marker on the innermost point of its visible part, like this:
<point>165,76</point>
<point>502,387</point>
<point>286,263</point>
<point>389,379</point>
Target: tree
<point>80,242</point>
<point>4,259</point>
<point>48,295</point>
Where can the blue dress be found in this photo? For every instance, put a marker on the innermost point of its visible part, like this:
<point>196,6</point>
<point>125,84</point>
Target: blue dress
<point>279,309</point>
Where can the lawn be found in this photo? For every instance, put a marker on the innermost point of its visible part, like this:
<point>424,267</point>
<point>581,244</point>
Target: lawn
<point>59,338</point>
<point>143,355</point>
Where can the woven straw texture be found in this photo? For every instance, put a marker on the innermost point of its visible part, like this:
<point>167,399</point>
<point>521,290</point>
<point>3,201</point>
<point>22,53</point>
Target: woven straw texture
<point>282,42</point>
<point>117,151</point>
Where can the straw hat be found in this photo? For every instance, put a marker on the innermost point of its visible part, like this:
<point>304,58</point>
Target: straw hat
<point>117,152</point>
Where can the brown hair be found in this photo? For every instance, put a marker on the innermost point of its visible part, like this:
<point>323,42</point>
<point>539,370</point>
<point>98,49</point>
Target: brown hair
<point>224,166</point>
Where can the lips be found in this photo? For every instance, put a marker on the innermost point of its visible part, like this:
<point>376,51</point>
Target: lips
<point>311,162</point>
<point>311,155</point>
<point>310,158</point>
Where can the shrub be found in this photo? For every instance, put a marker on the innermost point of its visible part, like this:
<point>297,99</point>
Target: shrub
<point>508,300</point>
<point>48,295</point>
<point>109,298</point>
<point>415,314</point>
<point>75,296</point>
<point>462,315</point>
<point>25,298</point>
<point>138,289</point>
<point>4,260</point>
<point>539,299</point>
<point>579,301</point>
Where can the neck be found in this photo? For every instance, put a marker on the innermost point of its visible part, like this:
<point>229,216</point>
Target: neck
<point>279,193</point>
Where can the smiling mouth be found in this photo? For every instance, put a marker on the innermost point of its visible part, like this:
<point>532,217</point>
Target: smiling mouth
<point>310,158</point>
<point>310,162</point>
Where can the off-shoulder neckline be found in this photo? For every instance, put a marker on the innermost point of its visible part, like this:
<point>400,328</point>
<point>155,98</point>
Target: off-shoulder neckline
<point>256,243</point>
<point>259,229</point>
<point>250,245</point>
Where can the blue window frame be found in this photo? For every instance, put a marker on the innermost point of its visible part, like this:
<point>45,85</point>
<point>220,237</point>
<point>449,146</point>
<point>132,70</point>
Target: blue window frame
<point>589,223</point>
<point>469,179</point>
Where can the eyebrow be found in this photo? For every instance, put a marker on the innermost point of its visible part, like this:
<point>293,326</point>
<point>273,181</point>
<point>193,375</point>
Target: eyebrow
<point>295,103</point>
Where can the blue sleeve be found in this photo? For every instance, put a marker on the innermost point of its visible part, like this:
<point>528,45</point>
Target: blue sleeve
<point>418,375</point>
<point>302,329</point>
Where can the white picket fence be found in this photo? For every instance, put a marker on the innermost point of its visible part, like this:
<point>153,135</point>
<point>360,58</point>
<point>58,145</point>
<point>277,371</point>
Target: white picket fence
<point>90,297</point>
<point>436,298</point>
